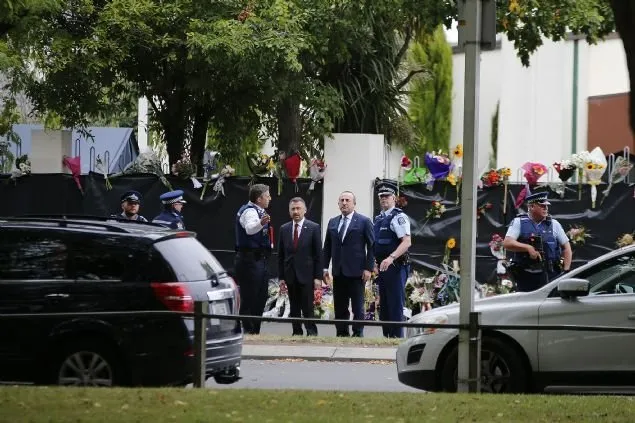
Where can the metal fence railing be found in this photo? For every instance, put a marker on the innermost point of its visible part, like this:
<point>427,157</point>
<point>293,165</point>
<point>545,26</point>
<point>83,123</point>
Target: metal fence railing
<point>200,316</point>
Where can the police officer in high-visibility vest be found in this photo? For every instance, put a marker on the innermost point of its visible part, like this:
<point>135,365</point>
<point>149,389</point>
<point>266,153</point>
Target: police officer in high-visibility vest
<point>253,249</point>
<point>130,203</point>
<point>540,247</point>
<point>171,216</point>
<point>392,241</point>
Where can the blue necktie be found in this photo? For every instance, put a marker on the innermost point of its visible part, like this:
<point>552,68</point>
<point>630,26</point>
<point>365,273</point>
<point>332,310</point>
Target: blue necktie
<point>340,233</point>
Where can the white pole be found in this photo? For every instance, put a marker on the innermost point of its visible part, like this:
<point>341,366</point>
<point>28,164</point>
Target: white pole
<point>142,124</point>
<point>470,23</point>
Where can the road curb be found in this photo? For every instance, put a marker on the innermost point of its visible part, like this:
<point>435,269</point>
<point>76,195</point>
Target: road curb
<point>317,353</point>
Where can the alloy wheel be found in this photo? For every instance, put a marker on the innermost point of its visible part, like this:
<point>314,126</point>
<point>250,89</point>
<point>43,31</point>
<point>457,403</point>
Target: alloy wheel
<point>85,368</point>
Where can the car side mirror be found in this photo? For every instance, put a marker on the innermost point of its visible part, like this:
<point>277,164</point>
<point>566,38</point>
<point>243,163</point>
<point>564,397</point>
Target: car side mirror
<point>572,288</point>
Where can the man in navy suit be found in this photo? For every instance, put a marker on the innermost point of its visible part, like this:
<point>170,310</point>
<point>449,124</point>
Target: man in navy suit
<point>349,245</point>
<point>300,263</point>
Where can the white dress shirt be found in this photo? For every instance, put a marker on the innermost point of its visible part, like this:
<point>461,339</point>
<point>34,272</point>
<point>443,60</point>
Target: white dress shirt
<point>250,219</point>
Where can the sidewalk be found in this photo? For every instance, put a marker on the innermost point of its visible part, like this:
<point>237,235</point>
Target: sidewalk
<point>317,352</point>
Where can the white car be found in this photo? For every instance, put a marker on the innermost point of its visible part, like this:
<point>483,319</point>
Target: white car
<point>599,293</point>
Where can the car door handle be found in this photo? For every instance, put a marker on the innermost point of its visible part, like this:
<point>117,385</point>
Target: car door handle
<point>631,316</point>
<point>56,296</point>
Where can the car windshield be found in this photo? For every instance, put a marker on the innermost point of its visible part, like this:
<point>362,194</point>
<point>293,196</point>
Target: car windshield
<point>614,276</point>
<point>189,259</point>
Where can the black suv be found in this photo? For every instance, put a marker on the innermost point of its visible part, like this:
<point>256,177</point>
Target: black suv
<point>84,264</point>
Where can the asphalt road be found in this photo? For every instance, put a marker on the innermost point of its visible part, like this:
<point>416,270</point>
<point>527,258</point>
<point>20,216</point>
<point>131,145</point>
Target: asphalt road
<point>284,329</point>
<point>317,375</point>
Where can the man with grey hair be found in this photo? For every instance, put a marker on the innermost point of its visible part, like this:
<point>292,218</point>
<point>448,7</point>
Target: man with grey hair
<point>300,263</point>
<point>253,249</point>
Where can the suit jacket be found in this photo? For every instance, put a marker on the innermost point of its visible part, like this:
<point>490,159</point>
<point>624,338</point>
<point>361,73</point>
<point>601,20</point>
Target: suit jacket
<point>354,254</point>
<point>303,264</point>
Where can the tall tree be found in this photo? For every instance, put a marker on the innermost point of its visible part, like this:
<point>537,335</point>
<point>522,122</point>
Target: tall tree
<point>430,106</point>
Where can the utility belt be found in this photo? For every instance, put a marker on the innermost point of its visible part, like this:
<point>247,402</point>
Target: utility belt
<point>402,260</point>
<point>550,266</point>
<point>255,253</point>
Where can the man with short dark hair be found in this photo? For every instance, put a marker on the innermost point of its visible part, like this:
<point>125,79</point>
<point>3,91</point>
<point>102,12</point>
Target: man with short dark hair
<point>253,249</point>
<point>538,243</point>
<point>300,263</point>
<point>130,203</point>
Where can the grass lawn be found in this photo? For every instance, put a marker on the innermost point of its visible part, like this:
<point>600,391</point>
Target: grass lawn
<point>322,340</point>
<point>33,404</point>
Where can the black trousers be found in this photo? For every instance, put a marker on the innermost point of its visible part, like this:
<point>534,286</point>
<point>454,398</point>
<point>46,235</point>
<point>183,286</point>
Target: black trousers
<point>301,299</point>
<point>528,282</point>
<point>251,275</point>
<point>347,289</point>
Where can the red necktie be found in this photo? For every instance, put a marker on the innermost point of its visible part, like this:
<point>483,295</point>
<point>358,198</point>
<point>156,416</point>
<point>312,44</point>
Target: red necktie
<point>295,237</point>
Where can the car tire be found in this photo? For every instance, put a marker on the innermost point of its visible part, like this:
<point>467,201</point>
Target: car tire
<point>86,363</point>
<point>502,368</point>
<point>228,377</point>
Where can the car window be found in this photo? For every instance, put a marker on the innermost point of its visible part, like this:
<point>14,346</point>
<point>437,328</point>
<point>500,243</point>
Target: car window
<point>614,276</point>
<point>189,259</point>
<point>33,255</point>
<point>106,257</point>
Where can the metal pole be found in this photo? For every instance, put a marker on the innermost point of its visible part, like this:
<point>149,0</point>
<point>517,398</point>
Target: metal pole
<point>475,352</point>
<point>471,25</point>
<point>200,324</point>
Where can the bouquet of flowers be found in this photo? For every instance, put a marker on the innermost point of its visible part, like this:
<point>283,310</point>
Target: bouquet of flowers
<point>505,173</point>
<point>219,185</point>
<point>578,235</point>
<point>148,162</point>
<point>481,210</point>
<point>371,299</point>
<point>260,164</point>
<point>103,169</point>
<point>566,170</point>
<point>594,168</point>
<point>419,292</point>
<point>185,169</point>
<point>22,167</point>
<point>625,240</point>
<point>438,164</point>
<point>580,160</point>
<point>74,165</point>
<point>533,172</point>
<point>435,211</point>
<point>324,307</point>
<point>491,178</point>
<point>503,286</point>
<point>621,169</point>
<point>291,164</point>
<point>498,251</point>
<point>317,170</point>
<point>277,304</point>
<point>210,164</point>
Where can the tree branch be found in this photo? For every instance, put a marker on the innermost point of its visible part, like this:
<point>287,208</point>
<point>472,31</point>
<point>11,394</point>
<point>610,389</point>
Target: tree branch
<point>409,77</point>
<point>404,46</point>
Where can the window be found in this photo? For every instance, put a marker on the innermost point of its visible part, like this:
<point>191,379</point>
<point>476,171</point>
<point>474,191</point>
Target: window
<point>33,256</point>
<point>100,258</point>
<point>189,259</point>
<point>615,276</point>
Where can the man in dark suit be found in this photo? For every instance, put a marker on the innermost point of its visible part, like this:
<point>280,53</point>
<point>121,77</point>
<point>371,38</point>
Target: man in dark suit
<point>300,263</point>
<point>349,245</point>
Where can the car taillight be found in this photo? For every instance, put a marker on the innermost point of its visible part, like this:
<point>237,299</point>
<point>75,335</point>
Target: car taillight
<point>237,292</point>
<point>174,295</point>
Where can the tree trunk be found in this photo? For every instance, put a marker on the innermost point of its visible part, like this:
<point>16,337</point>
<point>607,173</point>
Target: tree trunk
<point>199,139</point>
<point>289,125</point>
<point>624,12</point>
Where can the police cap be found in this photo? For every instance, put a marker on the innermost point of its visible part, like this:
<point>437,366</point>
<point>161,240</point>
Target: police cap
<point>172,197</point>
<point>131,197</point>
<point>386,188</point>
<point>538,198</point>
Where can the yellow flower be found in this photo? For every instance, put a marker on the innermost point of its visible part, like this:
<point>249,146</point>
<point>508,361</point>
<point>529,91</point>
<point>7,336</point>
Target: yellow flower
<point>450,244</point>
<point>506,172</point>
<point>458,151</point>
<point>271,165</point>
<point>451,179</point>
<point>590,166</point>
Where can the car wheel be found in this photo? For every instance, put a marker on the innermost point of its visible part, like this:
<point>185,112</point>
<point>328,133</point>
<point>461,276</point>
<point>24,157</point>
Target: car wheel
<point>228,376</point>
<point>502,369</point>
<point>86,364</point>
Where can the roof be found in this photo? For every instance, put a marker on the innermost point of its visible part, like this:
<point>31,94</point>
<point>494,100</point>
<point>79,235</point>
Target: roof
<point>96,224</point>
<point>119,145</point>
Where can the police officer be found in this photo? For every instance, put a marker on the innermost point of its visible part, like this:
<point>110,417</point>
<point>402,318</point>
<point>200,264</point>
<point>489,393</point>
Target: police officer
<point>253,249</point>
<point>392,241</point>
<point>130,203</point>
<point>537,242</point>
<point>172,207</point>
